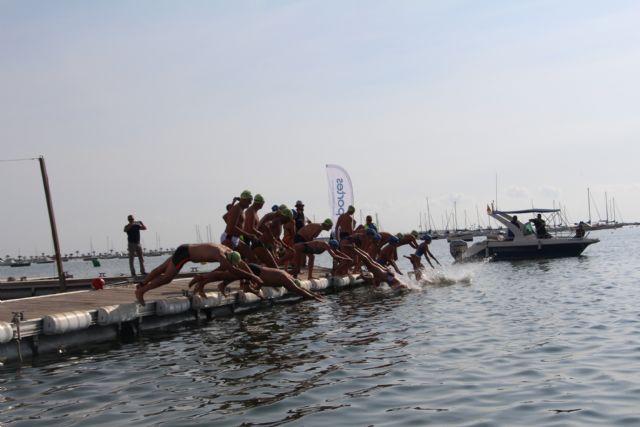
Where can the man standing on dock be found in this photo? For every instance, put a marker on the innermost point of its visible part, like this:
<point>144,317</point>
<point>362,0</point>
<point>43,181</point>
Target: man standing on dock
<point>133,243</point>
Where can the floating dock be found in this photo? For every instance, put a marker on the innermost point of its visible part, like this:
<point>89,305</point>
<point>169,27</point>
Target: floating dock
<point>57,323</point>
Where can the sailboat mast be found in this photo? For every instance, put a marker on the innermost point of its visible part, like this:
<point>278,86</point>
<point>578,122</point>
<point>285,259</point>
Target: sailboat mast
<point>589,203</point>
<point>606,208</point>
<point>455,215</point>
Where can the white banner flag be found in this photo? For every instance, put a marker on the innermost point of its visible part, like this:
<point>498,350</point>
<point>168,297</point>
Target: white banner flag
<point>340,190</point>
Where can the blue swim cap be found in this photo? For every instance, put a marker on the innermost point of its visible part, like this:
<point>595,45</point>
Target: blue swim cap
<point>334,243</point>
<point>377,237</point>
<point>427,237</point>
<point>274,208</point>
<point>393,239</point>
<point>371,232</point>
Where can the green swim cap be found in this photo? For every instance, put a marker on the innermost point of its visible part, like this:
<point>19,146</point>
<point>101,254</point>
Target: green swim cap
<point>258,198</point>
<point>234,257</point>
<point>328,222</point>
<point>246,194</point>
<point>283,208</point>
<point>351,209</point>
<point>287,213</point>
<point>399,235</point>
<point>414,233</point>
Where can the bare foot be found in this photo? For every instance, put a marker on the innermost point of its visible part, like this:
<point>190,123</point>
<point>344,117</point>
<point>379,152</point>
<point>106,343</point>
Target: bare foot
<point>200,290</point>
<point>139,294</point>
<point>195,280</point>
<point>221,288</point>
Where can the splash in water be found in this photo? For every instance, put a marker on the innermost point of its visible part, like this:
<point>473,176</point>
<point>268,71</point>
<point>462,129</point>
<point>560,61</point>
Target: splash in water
<point>444,276</point>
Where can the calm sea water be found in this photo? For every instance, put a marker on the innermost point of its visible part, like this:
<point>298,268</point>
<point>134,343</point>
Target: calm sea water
<point>549,343</point>
<point>85,269</point>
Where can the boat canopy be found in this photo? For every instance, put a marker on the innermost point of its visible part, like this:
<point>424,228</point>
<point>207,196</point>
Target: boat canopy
<point>527,211</point>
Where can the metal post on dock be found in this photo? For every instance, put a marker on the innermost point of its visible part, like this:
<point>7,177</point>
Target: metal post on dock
<point>52,220</point>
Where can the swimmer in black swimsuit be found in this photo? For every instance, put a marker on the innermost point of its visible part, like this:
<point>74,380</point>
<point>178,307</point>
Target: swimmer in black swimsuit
<point>423,249</point>
<point>180,257</point>
<point>203,252</point>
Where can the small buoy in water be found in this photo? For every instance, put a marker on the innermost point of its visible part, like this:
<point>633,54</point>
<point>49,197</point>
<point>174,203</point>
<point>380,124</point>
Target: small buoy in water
<point>97,283</point>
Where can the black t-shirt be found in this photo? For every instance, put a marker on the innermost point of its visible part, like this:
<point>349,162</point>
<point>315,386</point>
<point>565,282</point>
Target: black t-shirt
<point>133,233</point>
<point>300,220</point>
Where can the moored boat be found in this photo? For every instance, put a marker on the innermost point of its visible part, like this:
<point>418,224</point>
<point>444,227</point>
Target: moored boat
<point>522,241</point>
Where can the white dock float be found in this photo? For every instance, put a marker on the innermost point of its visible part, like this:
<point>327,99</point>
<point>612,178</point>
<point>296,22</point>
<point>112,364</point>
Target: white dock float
<point>93,317</point>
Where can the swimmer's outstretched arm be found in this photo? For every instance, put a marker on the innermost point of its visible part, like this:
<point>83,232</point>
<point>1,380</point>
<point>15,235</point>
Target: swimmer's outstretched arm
<point>338,255</point>
<point>428,260</point>
<point>395,266</point>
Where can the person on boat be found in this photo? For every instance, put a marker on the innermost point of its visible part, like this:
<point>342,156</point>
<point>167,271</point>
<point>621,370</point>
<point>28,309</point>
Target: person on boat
<point>516,223</point>
<point>423,249</point>
<point>313,248</point>
<point>229,260</point>
<point>271,277</point>
<point>134,248</point>
<point>541,227</point>
<point>344,224</point>
<point>380,273</point>
<point>580,231</point>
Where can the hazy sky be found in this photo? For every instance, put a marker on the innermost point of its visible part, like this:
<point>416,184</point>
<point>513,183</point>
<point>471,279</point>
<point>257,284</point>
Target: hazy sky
<point>168,109</point>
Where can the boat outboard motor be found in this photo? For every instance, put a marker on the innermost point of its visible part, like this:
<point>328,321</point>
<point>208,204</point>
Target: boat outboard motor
<point>457,248</point>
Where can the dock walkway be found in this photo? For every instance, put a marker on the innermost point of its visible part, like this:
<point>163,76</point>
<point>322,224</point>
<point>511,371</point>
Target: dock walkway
<point>59,322</point>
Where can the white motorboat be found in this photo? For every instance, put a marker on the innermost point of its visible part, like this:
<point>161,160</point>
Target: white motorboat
<point>522,241</point>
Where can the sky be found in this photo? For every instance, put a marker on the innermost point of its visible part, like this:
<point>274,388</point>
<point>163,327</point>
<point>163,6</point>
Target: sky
<point>167,110</point>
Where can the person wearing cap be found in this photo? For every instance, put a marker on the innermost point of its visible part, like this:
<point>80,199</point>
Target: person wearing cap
<point>344,224</point>
<point>409,239</point>
<point>380,274</point>
<point>423,249</point>
<point>270,228</point>
<point>369,223</point>
<point>310,249</point>
<point>374,249</point>
<point>311,231</point>
<point>362,239</point>
<point>234,221</point>
<point>289,229</point>
<point>202,252</point>
<point>276,228</point>
<point>251,220</point>
<point>389,254</point>
<point>300,219</point>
